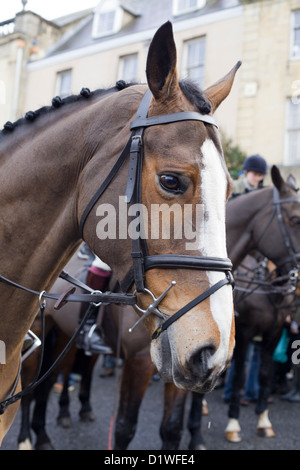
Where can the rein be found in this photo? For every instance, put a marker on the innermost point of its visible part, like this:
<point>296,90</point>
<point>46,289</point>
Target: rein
<point>140,258</point>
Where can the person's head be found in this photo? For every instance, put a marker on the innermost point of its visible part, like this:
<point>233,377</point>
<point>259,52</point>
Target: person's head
<point>255,168</point>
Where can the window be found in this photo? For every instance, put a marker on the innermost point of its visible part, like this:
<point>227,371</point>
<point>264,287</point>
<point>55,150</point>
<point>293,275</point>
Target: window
<point>107,18</point>
<point>64,83</point>
<point>193,58</point>
<point>293,134</point>
<point>128,68</point>
<point>2,92</point>
<point>185,6</point>
<point>296,34</point>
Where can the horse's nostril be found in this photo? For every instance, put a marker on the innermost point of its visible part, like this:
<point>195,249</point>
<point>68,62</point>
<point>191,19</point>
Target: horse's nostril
<point>199,361</point>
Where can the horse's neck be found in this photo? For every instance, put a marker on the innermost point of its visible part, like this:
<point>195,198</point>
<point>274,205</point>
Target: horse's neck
<point>40,184</point>
<point>37,197</point>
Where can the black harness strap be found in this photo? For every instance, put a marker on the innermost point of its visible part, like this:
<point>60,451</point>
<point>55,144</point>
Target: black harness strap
<point>113,172</point>
<point>136,148</point>
<point>178,261</point>
<point>228,280</point>
<point>94,296</point>
<point>173,117</point>
<point>189,262</point>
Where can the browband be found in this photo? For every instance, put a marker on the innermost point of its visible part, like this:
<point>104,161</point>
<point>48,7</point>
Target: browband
<point>174,117</point>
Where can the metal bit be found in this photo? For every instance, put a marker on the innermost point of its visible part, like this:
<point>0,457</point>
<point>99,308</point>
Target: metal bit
<point>152,307</point>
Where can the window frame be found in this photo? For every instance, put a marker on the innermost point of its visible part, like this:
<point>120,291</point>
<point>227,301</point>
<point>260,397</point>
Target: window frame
<point>176,10</point>
<point>290,130</point>
<point>185,59</point>
<point>121,74</point>
<point>293,55</point>
<point>58,85</point>
<point>113,7</point>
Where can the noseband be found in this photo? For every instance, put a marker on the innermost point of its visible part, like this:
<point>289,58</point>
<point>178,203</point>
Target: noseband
<point>141,261</point>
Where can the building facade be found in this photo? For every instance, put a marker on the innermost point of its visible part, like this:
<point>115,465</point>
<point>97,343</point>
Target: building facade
<point>100,53</point>
<point>24,39</point>
<point>97,47</point>
<point>269,94</point>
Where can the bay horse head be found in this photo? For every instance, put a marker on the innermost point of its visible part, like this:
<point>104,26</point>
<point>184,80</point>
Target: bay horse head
<point>267,220</point>
<point>182,185</point>
<point>60,174</point>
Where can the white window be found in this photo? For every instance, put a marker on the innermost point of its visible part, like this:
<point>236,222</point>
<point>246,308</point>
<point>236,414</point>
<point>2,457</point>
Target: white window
<point>293,134</point>
<point>108,18</point>
<point>2,92</point>
<point>193,60</point>
<point>185,6</point>
<point>296,34</point>
<point>128,68</point>
<point>64,83</point>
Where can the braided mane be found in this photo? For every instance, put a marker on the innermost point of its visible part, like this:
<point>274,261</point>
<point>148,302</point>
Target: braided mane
<point>189,89</point>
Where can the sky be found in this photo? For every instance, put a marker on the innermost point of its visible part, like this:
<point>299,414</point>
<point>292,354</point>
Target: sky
<point>49,9</point>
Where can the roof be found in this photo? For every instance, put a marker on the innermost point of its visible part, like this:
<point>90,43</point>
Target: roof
<point>147,15</point>
<point>67,19</point>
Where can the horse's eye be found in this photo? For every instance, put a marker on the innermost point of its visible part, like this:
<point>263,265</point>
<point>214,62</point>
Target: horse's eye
<point>295,220</point>
<point>172,184</point>
<point>169,182</point>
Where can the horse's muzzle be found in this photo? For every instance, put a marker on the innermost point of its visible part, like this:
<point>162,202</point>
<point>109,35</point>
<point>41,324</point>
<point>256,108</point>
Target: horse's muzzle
<point>193,373</point>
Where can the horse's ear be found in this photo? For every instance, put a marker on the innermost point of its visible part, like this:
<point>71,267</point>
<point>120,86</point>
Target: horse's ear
<point>291,181</point>
<point>277,179</point>
<point>161,67</point>
<point>221,89</point>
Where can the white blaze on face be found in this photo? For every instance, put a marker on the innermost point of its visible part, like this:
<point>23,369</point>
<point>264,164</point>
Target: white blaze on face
<point>213,241</point>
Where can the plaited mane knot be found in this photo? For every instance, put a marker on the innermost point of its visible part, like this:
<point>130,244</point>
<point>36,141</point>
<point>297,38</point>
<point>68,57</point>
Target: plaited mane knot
<point>8,126</point>
<point>85,92</point>
<point>56,102</point>
<point>121,84</point>
<point>30,115</point>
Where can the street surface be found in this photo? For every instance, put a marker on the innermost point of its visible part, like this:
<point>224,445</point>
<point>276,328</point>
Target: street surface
<point>284,416</point>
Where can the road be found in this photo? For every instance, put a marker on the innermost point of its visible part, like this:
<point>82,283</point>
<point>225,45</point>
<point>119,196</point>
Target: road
<point>95,435</point>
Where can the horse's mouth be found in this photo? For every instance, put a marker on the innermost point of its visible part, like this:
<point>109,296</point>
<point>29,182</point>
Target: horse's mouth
<point>198,379</point>
<point>192,383</point>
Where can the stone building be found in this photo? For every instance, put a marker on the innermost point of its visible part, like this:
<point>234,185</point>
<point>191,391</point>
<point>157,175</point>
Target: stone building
<point>25,39</point>
<point>269,95</point>
<point>94,48</point>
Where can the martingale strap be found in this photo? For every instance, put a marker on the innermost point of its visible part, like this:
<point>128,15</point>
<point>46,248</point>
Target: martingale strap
<point>92,297</point>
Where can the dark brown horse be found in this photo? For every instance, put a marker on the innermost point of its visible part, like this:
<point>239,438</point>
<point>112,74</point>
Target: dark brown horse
<point>59,161</point>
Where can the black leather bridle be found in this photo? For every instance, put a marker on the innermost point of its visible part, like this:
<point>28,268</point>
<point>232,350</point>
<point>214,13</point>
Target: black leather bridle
<point>141,261</point>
